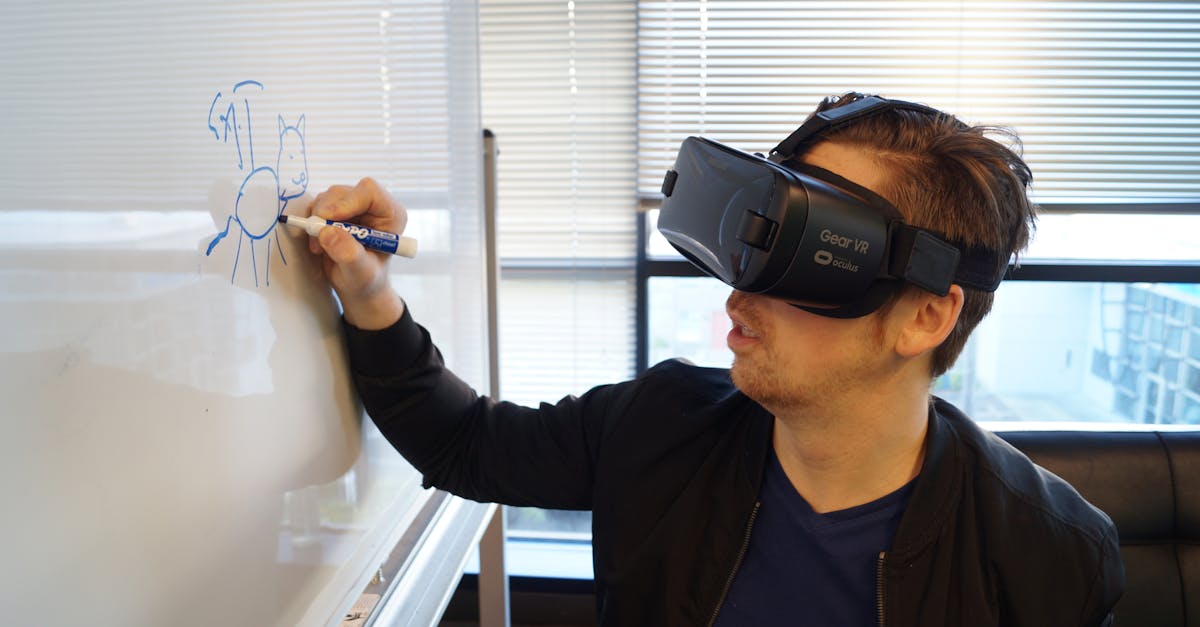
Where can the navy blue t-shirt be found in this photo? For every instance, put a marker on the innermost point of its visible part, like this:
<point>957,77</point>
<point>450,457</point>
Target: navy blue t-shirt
<point>804,568</point>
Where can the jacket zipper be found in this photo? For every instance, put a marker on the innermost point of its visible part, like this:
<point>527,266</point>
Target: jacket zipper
<point>879,586</point>
<point>736,565</point>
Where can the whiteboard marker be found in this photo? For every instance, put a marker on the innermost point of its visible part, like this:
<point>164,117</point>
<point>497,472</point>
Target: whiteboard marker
<point>368,237</point>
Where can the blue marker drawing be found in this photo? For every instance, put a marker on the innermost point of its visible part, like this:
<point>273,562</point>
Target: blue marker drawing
<point>265,190</point>
<point>229,120</point>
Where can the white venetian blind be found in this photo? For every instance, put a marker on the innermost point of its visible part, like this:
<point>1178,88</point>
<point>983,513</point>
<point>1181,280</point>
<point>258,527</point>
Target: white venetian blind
<point>1106,95</point>
<point>558,80</point>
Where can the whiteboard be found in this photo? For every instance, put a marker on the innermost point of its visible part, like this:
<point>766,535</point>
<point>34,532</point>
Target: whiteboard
<point>180,443</point>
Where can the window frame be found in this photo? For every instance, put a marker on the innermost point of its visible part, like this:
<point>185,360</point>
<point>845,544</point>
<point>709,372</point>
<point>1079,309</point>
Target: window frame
<point>1084,271</point>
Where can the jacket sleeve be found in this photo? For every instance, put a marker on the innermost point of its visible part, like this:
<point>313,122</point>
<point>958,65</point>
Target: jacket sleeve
<point>470,445</point>
<point>1108,585</point>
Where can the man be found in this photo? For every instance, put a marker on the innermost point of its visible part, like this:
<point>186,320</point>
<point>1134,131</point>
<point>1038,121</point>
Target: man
<point>816,482</point>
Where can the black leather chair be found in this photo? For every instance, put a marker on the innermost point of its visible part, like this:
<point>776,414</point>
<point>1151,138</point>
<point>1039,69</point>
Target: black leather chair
<point>1149,484</point>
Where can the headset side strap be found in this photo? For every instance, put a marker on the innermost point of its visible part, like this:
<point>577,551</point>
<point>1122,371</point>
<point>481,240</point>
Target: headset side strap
<point>921,258</point>
<point>980,269</point>
<point>933,263</point>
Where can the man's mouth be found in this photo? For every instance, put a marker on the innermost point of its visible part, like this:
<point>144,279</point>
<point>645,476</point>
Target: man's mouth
<point>746,331</point>
<point>741,328</point>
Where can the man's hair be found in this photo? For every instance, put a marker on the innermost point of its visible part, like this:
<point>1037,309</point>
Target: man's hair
<point>953,179</point>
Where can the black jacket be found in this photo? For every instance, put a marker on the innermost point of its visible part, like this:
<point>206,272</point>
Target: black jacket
<point>671,463</point>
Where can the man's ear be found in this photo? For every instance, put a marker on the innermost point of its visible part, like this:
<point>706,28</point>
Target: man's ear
<point>927,320</point>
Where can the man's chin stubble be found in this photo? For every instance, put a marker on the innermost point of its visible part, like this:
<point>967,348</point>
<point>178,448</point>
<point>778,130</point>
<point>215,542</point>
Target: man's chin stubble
<point>755,383</point>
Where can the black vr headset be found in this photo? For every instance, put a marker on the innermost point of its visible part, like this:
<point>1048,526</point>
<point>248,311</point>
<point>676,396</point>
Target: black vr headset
<point>801,233</point>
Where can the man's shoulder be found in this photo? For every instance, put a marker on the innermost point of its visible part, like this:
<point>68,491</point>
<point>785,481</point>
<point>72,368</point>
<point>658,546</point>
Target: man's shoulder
<point>1032,497</point>
<point>678,394</point>
<point>679,376</point>
<point>1051,557</point>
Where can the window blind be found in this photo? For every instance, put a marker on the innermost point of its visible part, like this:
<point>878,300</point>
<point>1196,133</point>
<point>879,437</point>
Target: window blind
<point>558,83</point>
<point>1105,95</point>
<point>563,335</point>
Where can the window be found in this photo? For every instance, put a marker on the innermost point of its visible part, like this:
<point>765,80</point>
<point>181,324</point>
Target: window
<point>590,99</point>
<point>1063,354</point>
<point>1106,99</point>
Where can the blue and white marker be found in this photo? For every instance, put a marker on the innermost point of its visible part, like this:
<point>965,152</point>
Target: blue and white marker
<point>370,238</point>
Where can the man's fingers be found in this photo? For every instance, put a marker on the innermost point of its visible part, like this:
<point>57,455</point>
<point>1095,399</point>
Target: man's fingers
<point>320,203</point>
<point>367,203</point>
<point>358,275</point>
<point>341,248</point>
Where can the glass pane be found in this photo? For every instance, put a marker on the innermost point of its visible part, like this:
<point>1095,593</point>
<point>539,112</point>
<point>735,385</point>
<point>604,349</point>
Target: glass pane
<point>1048,353</point>
<point>687,319</point>
<point>548,523</point>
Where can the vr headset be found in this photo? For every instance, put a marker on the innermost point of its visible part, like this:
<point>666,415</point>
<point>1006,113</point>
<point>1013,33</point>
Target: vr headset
<point>804,234</point>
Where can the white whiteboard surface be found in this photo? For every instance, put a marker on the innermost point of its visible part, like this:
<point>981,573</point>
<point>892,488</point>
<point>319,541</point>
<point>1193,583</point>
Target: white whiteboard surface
<point>180,443</point>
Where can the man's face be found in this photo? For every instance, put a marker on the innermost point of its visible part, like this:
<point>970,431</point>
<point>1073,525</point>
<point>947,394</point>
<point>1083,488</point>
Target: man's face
<point>785,357</point>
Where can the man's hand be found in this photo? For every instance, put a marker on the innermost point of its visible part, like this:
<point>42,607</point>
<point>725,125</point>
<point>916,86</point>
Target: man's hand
<point>359,276</point>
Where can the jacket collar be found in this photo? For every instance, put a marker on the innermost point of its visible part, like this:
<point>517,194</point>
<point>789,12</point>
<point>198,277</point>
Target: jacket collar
<point>935,494</point>
<point>757,450</point>
<point>938,487</point>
